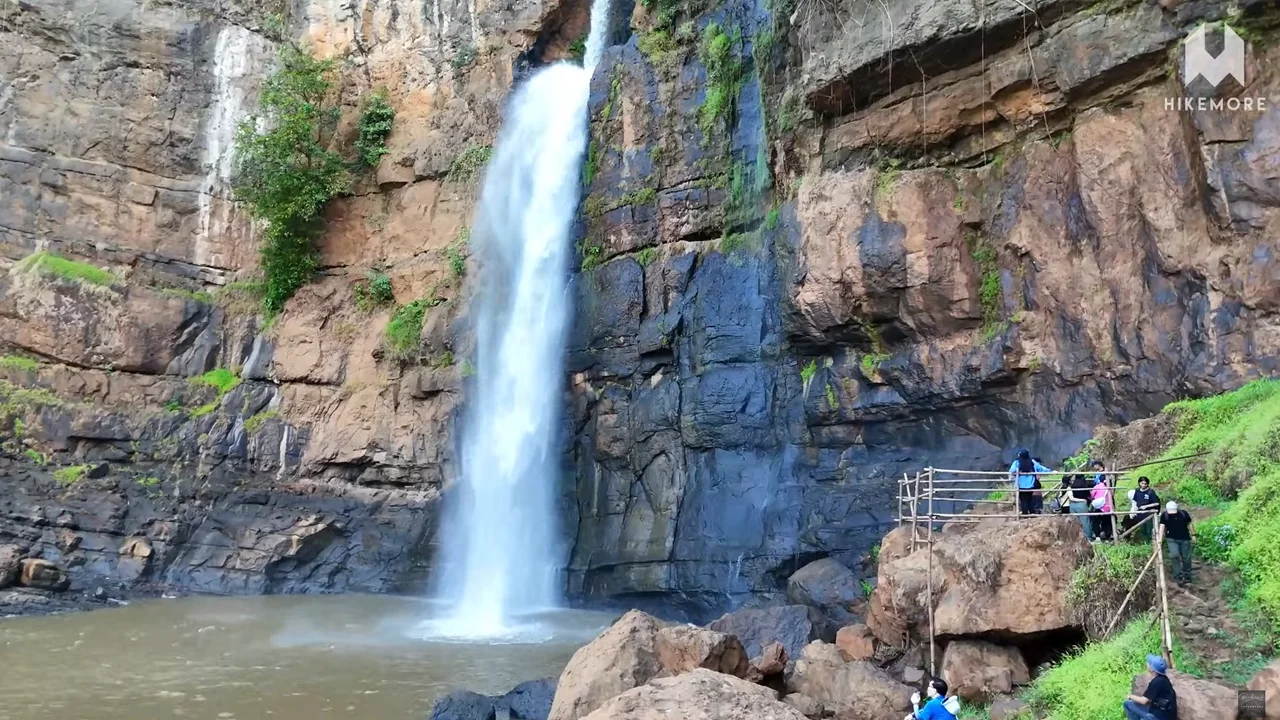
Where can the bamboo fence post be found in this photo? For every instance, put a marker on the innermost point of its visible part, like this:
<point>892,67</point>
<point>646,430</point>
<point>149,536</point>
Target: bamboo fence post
<point>915,512</point>
<point>1129,597</point>
<point>1166,635</point>
<point>933,670</point>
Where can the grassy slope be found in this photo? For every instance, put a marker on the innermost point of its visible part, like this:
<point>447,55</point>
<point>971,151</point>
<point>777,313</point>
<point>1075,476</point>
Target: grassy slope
<point>1240,477</point>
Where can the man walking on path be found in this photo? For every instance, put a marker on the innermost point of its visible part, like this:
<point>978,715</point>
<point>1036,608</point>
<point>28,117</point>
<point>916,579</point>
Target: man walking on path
<point>1080,487</point>
<point>1158,701</point>
<point>1179,532</point>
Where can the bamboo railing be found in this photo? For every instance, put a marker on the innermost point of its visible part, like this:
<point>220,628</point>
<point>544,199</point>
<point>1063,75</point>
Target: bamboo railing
<point>970,488</point>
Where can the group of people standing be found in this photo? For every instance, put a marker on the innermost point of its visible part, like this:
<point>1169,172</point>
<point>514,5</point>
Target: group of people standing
<point>1091,496</point>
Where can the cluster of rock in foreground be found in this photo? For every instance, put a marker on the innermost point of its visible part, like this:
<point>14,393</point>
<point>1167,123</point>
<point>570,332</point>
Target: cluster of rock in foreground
<point>1000,609</point>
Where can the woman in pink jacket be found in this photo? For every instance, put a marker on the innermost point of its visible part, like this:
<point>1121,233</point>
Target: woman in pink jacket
<point>1100,500</point>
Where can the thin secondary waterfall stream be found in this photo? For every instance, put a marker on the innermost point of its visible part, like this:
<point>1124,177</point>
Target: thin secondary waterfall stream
<point>500,543</point>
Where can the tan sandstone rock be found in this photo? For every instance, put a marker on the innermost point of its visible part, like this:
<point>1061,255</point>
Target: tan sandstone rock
<point>977,670</point>
<point>992,580</point>
<point>772,661</point>
<point>1267,680</point>
<point>856,642</point>
<point>10,564</point>
<point>623,657</point>
<point>682,648</point>
<point>1197,699</point>
<point>43,575</point>
<point>854,690</point>
<point>697,695</point>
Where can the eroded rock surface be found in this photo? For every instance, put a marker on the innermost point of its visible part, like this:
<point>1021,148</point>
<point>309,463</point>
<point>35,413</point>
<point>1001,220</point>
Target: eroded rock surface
<point>698,695</point>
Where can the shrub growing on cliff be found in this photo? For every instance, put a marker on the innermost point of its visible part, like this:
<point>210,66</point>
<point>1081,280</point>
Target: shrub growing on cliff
<point>374,291</point>
<point>404,331</point>
<point>373,128</point>
<point>285,171</point>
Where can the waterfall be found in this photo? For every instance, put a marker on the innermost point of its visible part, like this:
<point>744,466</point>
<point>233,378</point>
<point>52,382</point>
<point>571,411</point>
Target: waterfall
<point>500,540</point>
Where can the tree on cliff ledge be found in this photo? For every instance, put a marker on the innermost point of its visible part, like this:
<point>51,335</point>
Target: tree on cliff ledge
<point>285,171</point>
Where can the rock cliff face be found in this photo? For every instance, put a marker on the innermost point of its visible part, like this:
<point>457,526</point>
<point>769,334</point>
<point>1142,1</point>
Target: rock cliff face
<point>822,244</point>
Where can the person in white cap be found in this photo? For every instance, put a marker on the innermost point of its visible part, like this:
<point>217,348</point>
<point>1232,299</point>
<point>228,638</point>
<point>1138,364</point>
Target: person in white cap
<point>1178,533</point>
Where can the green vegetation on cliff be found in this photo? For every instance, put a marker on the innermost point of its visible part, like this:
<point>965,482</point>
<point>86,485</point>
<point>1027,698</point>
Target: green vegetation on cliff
<point>404,332</point>
<point>373,128</point>
<point>18,362</point>
<point>374,291</point>
<point>49,264</point>
<point>286,172</point>
<point>221,379</point>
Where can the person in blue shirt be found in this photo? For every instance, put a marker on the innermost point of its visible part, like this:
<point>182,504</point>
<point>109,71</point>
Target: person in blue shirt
<point>1021,470</point>
<point>939,707</point>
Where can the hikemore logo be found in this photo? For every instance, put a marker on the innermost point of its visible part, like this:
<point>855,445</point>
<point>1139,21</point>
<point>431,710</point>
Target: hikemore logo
<point>1198,64</point>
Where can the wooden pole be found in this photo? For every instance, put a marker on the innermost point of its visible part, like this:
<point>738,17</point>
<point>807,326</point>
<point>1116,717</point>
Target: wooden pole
<point>1129,597</point>
<point>933,670</point>
<point>1135,527</point>
<point>915,512</point>
<point>1166,634</point>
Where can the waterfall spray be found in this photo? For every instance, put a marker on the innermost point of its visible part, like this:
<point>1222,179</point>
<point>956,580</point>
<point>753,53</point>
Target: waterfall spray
<point>500,537</point>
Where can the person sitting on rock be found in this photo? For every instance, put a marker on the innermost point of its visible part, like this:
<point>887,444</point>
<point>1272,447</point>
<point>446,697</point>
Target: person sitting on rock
<point>939,707</point>
<point>1158,701</point>
<point>1147,503</point>
<point>1022,470</point>
<point>1178,533</point>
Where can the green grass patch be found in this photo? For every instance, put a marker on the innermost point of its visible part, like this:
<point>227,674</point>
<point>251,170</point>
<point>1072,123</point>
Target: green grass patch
<point>832,401</point>
<point>469,163</point>
<point>254,423</point>
<point>578,48</point>
<point>990,293</point>
<point>1092,683</point>
<point>887,177</point>
<point>870,363</point>
<point>591,165</point>
<point>771,219</point>
<point>1240,432</point>
<point>646,256</point>
<point>205,409</point>
<point>19,362</point>
<point>193,295</point>
<point>725,72</point>
<point>148,482</point>
<point>13,398</point>
<point>660,49</point>
<point>51,265</point>
<point>70,475</point>
<point>221,379</point>
<point>403,334</point>
<point>373,292</point>
<point>806,374</point>
<point>35,456</point>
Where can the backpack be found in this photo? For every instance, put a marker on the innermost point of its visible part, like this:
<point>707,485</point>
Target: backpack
<point>952,705</point>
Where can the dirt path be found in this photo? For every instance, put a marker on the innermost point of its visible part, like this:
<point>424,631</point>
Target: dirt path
<point>1221,643</point>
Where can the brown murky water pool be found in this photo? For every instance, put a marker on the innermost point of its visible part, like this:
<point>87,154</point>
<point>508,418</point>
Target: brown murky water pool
<point>281,657</point>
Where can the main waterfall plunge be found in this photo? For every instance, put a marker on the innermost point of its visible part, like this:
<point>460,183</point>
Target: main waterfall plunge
<point>500,556</point>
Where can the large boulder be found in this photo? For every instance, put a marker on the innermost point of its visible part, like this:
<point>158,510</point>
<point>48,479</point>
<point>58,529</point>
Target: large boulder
<point>977,671</point>
<point>793,626</point>
<point>852,689</point>
<point>828,586</point>
<point>1267,680</point>
<point>1008,580</point>
<point>530,700</point>
<point>10,564</point>
<point>623,657</point>
<point>43,575</point>
<point>771,661</point>
<point>1197,699</point>
<point>463,705</point>
<point>682,648</point>
<point>856,642</point>
<point>527,701</point>
<point>697,695</point>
